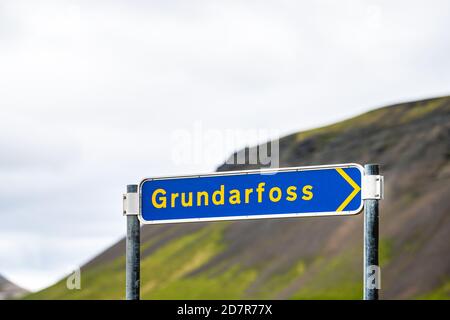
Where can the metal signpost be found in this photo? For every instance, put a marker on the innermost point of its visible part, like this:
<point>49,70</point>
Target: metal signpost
<point>373,192</point>
<point>334,190</point>
<point>133,243</point>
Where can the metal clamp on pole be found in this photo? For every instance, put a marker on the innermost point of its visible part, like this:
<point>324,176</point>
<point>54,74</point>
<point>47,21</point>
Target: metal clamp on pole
<point>130,204</point>
<point>133,242</point>
<point>372,187</point>
<point>372,192</point>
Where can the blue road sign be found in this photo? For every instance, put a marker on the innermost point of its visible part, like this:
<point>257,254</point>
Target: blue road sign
<point>333,190</point>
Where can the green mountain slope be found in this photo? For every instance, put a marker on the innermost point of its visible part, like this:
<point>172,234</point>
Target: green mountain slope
<point>315,258</point>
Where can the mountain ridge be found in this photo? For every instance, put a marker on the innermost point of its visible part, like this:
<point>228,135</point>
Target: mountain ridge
<point>313,258</point>
<point>10,290</point>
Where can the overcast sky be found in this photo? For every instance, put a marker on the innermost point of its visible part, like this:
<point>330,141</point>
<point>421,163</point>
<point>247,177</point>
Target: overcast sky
<point>91,95</point>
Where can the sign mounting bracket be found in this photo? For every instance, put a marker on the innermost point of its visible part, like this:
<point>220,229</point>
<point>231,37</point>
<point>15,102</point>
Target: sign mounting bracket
<point>372,187</point>
<point>131,204</point>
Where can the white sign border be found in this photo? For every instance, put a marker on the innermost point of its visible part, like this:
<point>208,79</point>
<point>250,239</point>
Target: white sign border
<point>253,217</point>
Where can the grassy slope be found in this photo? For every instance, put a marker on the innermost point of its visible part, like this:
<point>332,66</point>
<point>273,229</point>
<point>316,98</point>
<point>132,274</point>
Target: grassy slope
<point>202,263</point>
<point>164,275</point>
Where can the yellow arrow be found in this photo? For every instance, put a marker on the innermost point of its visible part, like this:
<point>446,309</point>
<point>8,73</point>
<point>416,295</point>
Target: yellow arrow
<point>355,191</point>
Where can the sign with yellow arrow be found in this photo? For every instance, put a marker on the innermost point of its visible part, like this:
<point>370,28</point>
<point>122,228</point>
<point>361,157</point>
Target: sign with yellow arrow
<point>333,190</point>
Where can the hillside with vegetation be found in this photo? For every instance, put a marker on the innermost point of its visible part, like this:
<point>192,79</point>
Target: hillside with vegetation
<point>310,258</point>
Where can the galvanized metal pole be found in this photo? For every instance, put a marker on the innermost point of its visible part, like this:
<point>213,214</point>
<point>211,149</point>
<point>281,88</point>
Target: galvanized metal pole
<point>133,244</point>
<point>371,239</point>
